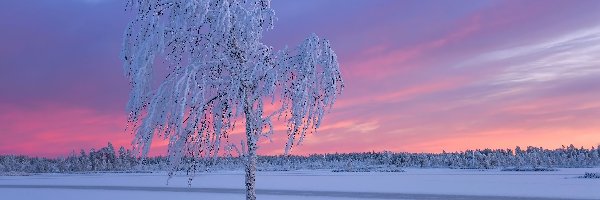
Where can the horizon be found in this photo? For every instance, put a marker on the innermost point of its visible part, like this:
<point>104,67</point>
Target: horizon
<point>235,155</point>
<point>451,77</point>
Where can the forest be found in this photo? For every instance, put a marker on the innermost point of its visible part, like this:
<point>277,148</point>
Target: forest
<point>108,159</point>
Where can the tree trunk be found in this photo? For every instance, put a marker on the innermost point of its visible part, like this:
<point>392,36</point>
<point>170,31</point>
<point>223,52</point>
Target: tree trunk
<point>251,159</point>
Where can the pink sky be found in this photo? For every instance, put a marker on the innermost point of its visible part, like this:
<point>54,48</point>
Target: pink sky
<point>421,76</point>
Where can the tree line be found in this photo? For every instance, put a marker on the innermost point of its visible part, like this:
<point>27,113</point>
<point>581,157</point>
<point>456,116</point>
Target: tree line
<point>107,159</point>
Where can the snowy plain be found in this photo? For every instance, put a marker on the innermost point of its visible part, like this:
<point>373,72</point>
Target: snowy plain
<point>308,185</point>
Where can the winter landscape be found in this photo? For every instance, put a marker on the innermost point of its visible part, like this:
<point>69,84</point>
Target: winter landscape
<point>531,173</point>
<point>449,184</point>
<point>312,99</point>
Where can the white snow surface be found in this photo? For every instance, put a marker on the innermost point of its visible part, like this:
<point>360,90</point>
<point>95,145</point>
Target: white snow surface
<point>487,183</point>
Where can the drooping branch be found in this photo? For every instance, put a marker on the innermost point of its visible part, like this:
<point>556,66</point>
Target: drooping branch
<point>220,72</point>
<point>311,80</point>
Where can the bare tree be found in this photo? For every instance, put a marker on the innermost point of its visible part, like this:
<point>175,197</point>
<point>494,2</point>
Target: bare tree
<point>220,72</point>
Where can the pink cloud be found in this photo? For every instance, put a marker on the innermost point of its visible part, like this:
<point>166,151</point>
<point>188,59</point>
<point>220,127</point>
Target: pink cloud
<point>374,113</point>
<point>405,93</point>
<point>52,130</point>
<point>381,64</point>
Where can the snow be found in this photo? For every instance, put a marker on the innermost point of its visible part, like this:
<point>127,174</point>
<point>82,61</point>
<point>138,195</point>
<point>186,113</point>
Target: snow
<point>310,185</point>
<point>219,70</point>
<point>51,194</point>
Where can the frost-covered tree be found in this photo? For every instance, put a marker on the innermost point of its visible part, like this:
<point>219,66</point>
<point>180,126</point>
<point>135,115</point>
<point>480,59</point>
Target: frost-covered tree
<point>220,73</point>
<point>84,161</point>
<point>122,163</point>
<point>111,158</point>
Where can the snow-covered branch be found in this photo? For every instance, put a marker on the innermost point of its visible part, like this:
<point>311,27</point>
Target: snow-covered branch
<point>220,70</point>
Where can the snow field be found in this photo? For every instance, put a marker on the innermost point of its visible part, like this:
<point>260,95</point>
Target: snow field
<point>487,184</point>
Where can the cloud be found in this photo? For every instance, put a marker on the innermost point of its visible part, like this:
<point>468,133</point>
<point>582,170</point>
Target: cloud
<point>366,127</point>
<point>454,76</point>
<point>51,130</point>
<point>386,62</point>
<point>568,56</point>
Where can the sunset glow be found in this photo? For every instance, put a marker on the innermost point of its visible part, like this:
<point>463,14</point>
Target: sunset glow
<point>450,75</point>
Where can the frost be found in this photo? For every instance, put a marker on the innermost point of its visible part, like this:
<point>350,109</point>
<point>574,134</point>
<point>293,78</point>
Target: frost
<point>220,72</point>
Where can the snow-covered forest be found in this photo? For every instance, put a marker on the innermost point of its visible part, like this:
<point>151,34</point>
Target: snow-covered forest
<point>123,160</point>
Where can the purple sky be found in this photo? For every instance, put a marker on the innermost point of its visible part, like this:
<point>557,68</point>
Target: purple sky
<point>420,75</point>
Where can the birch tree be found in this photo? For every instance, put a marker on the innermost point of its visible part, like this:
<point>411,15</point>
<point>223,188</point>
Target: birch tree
<point>221,73</point>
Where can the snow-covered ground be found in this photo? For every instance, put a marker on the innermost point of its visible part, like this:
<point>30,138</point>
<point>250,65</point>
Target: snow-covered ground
<point>308,185</point>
